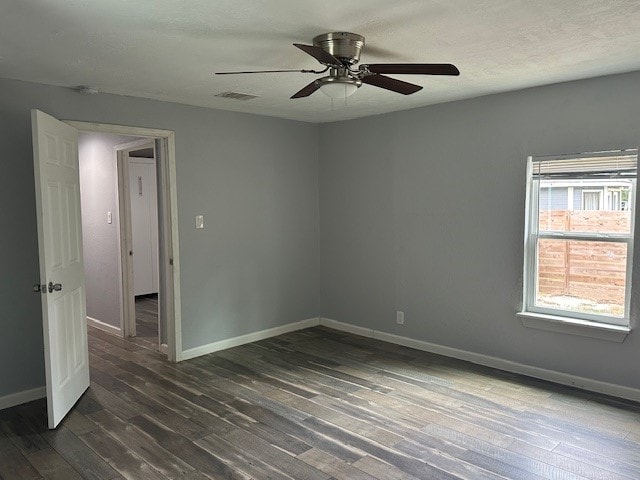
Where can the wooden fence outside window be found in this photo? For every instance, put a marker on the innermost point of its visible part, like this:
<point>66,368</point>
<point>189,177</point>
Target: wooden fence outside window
<point>590,270</point>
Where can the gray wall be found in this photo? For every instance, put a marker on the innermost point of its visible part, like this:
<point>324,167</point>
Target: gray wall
<point>426,215</point>
<point>99,194</point>
<point>254,266</point>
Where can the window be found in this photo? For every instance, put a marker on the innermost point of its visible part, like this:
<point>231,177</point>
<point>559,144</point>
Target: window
<point>591,200</point>
<point>616,199</point>
<point>578,260</point>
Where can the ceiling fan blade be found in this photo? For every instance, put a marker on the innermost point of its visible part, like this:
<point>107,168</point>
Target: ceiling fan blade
<point>306,91</point>
<point>413,68</point>
<point>392,84</point>
<point>267,71</point>
<point>319,54</point>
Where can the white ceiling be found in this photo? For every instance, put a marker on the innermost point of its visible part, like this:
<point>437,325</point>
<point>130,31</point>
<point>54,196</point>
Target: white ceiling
<point>168,49</point>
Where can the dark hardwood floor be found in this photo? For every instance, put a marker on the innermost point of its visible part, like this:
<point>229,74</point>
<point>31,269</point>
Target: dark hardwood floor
<point>318,404</point>
<point>147,321</point>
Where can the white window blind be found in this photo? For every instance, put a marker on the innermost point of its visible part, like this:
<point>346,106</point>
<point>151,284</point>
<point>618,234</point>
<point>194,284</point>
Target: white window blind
<point>606,165</point>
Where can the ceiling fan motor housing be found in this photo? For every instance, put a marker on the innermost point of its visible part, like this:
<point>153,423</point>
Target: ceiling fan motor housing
<point>343,45</point>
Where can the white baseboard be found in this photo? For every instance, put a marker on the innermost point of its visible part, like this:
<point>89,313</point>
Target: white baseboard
<point>248,338</point>
<point>25,396</point>
<point>105,327</point>
<point>488,361</point>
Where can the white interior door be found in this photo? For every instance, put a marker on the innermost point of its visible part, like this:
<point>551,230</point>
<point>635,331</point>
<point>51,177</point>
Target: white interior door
<point>144,224</point>
<point>55,152</point>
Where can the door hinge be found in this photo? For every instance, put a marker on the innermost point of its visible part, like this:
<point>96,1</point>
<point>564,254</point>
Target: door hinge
<point>37,288</point>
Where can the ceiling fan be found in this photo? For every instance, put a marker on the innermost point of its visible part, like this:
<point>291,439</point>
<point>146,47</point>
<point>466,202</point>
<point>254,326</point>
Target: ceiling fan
<point>339,52</point>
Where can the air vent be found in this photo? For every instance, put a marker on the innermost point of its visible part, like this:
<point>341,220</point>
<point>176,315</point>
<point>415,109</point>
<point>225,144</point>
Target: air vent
<point>236,95</point>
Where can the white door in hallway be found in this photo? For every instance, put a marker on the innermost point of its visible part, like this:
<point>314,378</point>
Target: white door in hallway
<point>144,224</point>
<point>62,285</point>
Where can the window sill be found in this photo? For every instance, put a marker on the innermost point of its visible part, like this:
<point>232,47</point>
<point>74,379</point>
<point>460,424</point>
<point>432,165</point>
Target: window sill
<point>573,326</point>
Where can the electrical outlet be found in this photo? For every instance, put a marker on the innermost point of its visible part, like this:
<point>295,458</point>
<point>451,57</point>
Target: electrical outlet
<point>199,221</point>
<point>400,317</point>
<point>109,218</point>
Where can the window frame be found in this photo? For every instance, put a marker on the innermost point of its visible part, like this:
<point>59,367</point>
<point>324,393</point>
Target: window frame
<point>532,234</point>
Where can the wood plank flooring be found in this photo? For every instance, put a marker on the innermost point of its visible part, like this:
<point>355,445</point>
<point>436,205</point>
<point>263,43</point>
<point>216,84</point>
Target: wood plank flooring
<point>147,321</point>
<point>318,404</point>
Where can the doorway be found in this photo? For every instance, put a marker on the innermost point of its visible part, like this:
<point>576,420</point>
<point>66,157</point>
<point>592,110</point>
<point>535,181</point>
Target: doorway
<point>142,173</point>
<point>137,163</point>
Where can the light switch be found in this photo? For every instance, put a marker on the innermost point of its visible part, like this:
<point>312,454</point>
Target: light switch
<point>109,218</point>
<point>199,221</point>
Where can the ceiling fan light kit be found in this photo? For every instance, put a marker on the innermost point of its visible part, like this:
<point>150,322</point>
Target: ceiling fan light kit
<point>338,87</point>
<point>339,52</point>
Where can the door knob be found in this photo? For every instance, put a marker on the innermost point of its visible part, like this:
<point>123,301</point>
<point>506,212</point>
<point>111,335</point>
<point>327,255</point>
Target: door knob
<point>54,286</point>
